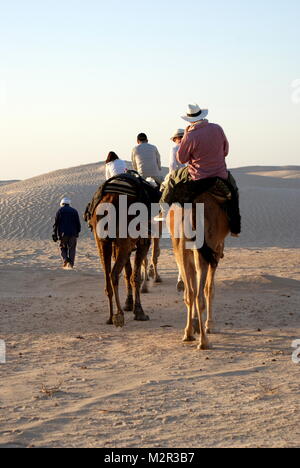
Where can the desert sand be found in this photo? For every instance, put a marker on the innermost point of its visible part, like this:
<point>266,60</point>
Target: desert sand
<point>70,380</point>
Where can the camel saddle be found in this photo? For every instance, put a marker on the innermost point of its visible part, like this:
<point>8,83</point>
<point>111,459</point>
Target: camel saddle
<point>129,184</point>
<point>225,193</point>
<point>188,192</point>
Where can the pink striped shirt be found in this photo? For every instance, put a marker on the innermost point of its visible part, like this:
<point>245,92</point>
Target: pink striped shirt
<point>204,147</point>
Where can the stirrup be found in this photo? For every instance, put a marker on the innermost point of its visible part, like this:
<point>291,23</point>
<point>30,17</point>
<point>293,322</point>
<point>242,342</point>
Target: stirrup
<point>161,217</point>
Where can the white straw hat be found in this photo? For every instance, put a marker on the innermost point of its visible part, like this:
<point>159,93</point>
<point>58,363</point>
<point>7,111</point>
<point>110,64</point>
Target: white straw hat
<point>178,133</point>
<point>65,201</point>
<point>194,113</point>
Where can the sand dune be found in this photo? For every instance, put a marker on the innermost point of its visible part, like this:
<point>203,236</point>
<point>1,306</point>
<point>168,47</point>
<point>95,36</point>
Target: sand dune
<point>269,203</point>
<point>7,182</point>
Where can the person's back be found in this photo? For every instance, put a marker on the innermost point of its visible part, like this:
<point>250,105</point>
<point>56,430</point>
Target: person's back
<point>146,159</point>
<point>67,222</point>
<point>205,148</point>
<point>115,168</point>
<point>66,229</point>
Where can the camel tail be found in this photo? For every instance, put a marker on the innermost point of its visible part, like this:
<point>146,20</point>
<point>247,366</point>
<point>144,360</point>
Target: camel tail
<point>209,255</point>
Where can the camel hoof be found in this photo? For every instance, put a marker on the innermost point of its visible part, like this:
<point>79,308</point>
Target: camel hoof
<point>188,339</point>
<point>180,286</point>
<point>151,272</point>
<point>144,290</point>
<point>118,320</point>
<point>140,316</point>
<point>204,346</point>
<point>158,280</point>
<point>109,321</point>
<point>129,305</point>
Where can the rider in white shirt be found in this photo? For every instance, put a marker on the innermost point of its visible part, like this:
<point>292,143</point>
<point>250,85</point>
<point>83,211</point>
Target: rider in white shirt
<point>176,138</point>
<point>114,166</point>
<point>174,166</point>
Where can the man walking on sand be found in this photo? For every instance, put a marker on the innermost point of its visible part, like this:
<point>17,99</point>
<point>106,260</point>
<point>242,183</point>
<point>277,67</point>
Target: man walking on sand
<point>146,159</point>
<point>66,229</point>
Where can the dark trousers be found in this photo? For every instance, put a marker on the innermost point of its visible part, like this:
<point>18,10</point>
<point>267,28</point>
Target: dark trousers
<point>68,249</point>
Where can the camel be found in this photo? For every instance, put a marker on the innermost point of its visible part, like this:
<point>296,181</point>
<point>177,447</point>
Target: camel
<point>198,267</point>
<point>120,251</point>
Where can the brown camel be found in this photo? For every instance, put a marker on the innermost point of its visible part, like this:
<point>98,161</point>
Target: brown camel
<point>120,251</point>
<point>198,267</point>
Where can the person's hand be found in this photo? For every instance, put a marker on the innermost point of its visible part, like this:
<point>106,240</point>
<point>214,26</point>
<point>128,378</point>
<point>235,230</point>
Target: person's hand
<point>55,238</point>
<point>187,130</point>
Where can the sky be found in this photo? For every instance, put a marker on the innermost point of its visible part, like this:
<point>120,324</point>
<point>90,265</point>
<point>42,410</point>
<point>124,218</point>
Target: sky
<point>80,78</point>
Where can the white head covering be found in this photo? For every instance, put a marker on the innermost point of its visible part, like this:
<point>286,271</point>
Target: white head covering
<point>194,113</point>
<point>65,201</point>
<point>178,133</point>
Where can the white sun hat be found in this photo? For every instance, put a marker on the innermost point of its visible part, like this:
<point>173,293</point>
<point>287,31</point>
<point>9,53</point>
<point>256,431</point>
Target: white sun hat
<point>178,133</point>
<point>65,201</point>
<point>195,113</point>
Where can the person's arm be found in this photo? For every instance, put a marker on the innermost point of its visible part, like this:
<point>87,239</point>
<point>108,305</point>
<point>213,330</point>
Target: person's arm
<point>78,223</point>
<point>184,153</point>
<point>55,227</point>
<point>134,164</point>
<point>226,146</point>
<point>107,172</point>
<point>173,159</point>
<point>158,159</point>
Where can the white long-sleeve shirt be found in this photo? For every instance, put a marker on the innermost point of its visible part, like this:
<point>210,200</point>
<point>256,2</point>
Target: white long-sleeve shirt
<point>174,163</point>
<point>115,168</point>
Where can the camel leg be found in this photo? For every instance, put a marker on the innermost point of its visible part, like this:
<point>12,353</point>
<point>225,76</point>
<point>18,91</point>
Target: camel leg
<point>209,294</point>
<point>202,271</point>
<point>146,265</point>
<point>180,283</point>
<point>105,250</point>
<point>122,259</point>
<point>154,261</point>
<point>189,302</point>
<point>196,319</point>
<point>189,285</point>
<point>141,254</point>
<point>145,277</point>
<point>129,301</point>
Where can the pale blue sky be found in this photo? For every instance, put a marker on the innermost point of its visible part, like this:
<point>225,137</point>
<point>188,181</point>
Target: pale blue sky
<point>81,78</point>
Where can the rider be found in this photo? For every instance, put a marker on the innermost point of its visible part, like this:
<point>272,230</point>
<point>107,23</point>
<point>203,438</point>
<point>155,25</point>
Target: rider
<point>204,149</point>
<point>177,139</point>
<point>114,165</point>
<point>146,159</point>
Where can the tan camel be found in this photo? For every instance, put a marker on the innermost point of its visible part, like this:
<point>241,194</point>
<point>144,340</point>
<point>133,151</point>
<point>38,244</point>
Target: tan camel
<point>120,251</point>
<point>198,268</point>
